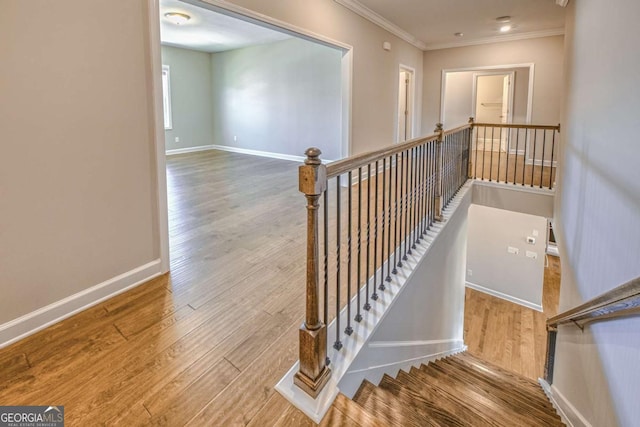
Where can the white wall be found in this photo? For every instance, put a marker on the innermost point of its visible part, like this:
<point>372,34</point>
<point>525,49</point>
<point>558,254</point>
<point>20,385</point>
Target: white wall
<point>375,71</point>
<point>546,53</point>
<point>191,97</point>
<point>598,207</point>
<point>280,97</point>
<point>78,203</point>
<point>491,268</point>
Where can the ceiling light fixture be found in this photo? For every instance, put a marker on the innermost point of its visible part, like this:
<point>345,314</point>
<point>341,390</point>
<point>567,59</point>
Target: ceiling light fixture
<point>503,19</point>
<point>177,17</point>
<point>505,28</point>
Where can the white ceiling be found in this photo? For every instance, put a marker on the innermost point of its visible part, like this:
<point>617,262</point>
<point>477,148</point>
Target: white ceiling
<point>432,23</point>
<point>428,24</point>
<point>209,31</point>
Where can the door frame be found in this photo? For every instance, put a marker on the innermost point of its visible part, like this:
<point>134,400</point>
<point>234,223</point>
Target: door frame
<point>474,89</point>
<point>412,103</point>
<point>155,95</point>
<point>529,65</point>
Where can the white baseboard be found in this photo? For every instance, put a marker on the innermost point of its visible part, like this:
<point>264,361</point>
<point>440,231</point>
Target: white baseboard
<point>569,414</point>
<point>190,149</point>
<point>44,317</point>
<point>509,298</point>
<point>269,154</point>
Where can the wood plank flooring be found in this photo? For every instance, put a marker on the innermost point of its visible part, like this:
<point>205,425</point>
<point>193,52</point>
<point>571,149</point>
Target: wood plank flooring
<point>205,344</point>
<point>510,335</point>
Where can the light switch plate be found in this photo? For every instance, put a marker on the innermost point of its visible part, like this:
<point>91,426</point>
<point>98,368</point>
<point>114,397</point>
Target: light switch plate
<point>531,254</point>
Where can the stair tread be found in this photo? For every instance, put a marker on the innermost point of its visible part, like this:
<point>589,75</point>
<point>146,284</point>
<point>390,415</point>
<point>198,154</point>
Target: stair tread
<point>384,405</point>
<point>490,371</point>
<point>493,407</point>
<point>419,404</point>
<point>506,396</point>
<point>536,398</point>
<point>437,397</point>
<point>456,391</point>
<point>356,412</point>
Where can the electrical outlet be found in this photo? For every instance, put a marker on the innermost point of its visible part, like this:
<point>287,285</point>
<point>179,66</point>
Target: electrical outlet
<point>469,272</point>
<point>533,255</point>
<point>513,250</point>
<point>534,233</point>
<point>177,139</point>
<point>235,137</point>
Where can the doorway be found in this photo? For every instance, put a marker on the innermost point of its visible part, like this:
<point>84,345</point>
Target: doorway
<point>493,103</point>
<point>405,103</point>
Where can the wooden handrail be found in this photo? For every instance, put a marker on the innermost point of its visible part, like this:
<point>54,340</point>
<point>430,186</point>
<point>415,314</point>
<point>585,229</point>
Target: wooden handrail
<point>350,163</point>
<point>517,126</point>
<point>618,302</point>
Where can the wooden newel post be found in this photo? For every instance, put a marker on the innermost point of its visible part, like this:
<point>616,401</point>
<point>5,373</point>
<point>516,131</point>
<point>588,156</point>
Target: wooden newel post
<point>470,170</point>
<point>440,131</point>
<point>314,372</point>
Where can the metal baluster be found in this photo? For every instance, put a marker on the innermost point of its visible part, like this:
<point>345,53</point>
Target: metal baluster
<point>491,154</point>
<point>405,196</point>
<point>475,166</point>
<point>420,191</point>
<point>499,154</point>
<point>544,144</point>
<point>326,260</point>
<point>367,306</point>
<point>506,173</point>
<point>384,217</point>
<point>484,149</point>
<point>349,330</point>
<point>388,278</point>
<point>395,222</point>
<point>399,264</point>
<point>358,317</point>
<point>533,159</point>
<point>524,160</point>
<point>553,146</point>
<point>338,344</point>
<point>374,296</point>
<point>515,166</point>
<point>411,201</point>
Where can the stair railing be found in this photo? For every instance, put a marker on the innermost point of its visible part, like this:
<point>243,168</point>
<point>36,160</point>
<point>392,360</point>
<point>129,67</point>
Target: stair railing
<point>392,198</point>
<point>618,302</point>
<point>519,154</point>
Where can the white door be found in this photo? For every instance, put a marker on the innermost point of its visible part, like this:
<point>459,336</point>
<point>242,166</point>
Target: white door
<point>405,105</point>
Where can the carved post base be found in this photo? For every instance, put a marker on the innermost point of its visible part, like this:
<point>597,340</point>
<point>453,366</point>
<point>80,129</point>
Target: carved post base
<point>314,372</point>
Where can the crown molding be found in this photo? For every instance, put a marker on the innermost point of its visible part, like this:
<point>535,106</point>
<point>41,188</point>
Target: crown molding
<point>365,12</point>
<point>496,39</point>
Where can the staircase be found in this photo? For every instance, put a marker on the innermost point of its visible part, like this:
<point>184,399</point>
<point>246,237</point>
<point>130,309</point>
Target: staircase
<point>460,390</point>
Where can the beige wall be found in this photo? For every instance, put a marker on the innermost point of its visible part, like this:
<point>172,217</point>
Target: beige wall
<point>77,179</point>
<point>546,53</point>
<point>375,71</point>
<point>598,207</point>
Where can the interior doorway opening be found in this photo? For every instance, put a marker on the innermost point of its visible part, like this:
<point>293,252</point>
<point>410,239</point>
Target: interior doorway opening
<point>493,103</point>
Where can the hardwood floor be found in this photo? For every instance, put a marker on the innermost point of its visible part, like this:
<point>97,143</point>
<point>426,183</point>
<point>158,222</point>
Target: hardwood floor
<point>507,334</point>
<point>205,344</point>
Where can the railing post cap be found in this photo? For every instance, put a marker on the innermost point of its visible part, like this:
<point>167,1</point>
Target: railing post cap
<point>439,127</point>
<point>313,156</point>
<point>471,120</point>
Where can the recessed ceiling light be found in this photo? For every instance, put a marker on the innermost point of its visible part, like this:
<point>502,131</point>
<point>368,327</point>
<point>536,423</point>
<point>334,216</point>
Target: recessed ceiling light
<point>503,19</point>
<point>177,17</point>
<point>505,28</point>
<point>458,34</point>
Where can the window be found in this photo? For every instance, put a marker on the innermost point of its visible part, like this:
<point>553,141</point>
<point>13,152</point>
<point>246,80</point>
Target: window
<point>166,97</point>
